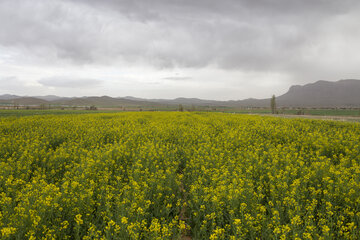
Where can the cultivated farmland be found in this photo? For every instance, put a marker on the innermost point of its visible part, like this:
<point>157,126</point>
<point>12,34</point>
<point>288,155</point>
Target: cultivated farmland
<point>178,175</point>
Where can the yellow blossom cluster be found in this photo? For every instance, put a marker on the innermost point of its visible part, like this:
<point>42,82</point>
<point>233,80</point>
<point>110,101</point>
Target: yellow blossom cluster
<point>158,175</point>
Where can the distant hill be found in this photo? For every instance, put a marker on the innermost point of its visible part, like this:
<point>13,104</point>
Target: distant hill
<point>189,101</point>
<point>103,101</point>
<point>321,94</point>
<point>52,98</point>
<point>343,93</point>
<point>25,101</point>
<point>8,97</point>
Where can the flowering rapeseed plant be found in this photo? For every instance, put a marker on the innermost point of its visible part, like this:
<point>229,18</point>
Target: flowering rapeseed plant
<point>169,175</point>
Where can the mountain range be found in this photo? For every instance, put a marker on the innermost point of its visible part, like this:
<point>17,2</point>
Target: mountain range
<point>321,94</point>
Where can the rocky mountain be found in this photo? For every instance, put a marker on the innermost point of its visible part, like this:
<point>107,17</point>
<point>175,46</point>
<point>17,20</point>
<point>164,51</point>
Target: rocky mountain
<point>343,93</point>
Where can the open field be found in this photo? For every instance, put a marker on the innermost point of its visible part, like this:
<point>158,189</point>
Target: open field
<point>312,112</point>
<point>22,112</point>
<point>307,112</point>
<point>329,112</point>
<point>343,118</point>
<point>178,175</point>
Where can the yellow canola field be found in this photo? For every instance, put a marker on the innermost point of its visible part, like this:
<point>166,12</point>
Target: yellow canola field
<point>178,176</point>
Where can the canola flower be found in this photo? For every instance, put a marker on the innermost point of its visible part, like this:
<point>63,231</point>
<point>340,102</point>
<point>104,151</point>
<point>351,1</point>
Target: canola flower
<point>170,175</point>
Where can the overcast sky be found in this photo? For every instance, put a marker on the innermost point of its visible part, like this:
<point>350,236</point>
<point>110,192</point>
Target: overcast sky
<point>211,49</point>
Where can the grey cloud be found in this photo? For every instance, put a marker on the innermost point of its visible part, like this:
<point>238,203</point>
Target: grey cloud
<point>10,83</point>
<point>157,9</point>
<point>17,86</point>
<point>66,82</point>
<point>4,80</point>
<point>176,78</point>
<point>263,35</point>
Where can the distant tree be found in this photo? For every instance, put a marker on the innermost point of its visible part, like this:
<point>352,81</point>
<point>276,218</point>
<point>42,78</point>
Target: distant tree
<point>16,105</point>
<point>301,112</point>
<point>92,107</point>
<point>181,108</point>
<point>273,104</point>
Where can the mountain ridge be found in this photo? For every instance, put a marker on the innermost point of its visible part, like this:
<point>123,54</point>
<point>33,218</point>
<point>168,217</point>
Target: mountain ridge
<point>322,93</point>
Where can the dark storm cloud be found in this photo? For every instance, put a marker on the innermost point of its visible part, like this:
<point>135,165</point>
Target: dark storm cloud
<point>262,35</point>
<point>66,82</point>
